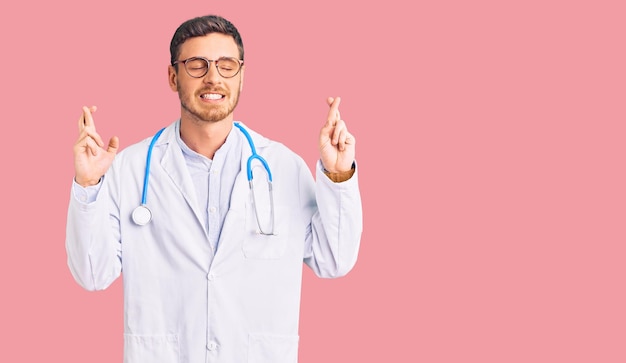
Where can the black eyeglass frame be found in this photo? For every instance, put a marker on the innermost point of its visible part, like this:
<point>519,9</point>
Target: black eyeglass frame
<point>208,61</point>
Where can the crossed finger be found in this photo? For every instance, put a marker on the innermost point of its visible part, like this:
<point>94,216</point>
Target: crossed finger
<point>333,112</point>
<point>88,137</point>
<point>87,127</point>
<point>341,136</point>
<point>86,119</point>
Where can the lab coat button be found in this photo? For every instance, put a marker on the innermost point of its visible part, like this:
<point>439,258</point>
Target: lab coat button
<point>211,346</point>
<point>210,277</point>
<point>212,209</point>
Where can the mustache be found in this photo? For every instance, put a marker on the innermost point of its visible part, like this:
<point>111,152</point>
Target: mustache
<point>213,90</point>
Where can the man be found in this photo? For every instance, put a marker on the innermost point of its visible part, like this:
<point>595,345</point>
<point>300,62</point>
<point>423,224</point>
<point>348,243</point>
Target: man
<point>212,261</point>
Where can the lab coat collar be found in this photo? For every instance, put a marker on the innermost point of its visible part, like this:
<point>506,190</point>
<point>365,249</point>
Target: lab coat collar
<point>259,140</point>
<point>169,136</point>
<point>238,199</point>
<point>174,164</point>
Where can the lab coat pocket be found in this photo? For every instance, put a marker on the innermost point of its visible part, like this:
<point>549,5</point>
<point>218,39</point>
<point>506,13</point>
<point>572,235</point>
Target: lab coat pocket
<point>151,348</point>
<point>260,246</point>
<point>272,348</point>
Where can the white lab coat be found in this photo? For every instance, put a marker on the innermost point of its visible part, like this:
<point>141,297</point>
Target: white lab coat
<point>184,302</point>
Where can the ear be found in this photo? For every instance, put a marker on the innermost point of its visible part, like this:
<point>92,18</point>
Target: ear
<point>172,77</point>
<point>243,68</point>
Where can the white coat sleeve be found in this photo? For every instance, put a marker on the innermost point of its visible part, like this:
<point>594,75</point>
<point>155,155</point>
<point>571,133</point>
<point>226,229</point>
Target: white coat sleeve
<point>332,246</point>
<point>92,240</point>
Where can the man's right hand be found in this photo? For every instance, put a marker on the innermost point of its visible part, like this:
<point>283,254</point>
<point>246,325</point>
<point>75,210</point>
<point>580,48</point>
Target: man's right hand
<point>91,160</point>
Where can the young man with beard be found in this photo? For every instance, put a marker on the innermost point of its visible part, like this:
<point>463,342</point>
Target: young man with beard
<point>212,260</point>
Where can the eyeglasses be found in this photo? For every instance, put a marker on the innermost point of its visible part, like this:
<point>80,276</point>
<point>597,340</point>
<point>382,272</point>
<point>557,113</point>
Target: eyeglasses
<point>198,67</point>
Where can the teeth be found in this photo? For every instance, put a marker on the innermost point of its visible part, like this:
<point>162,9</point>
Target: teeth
<point>212,96</point>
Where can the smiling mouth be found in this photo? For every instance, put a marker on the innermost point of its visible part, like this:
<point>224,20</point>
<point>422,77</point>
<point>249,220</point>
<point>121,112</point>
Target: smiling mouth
<point>211,96</point>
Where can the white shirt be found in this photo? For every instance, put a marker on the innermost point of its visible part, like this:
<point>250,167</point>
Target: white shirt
<point>214,180</point>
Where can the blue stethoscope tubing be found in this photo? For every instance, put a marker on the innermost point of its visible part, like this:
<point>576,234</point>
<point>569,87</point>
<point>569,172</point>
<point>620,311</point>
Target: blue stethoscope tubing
<point>142,214</point>
<point>251,183</point>
<point>254,155</point>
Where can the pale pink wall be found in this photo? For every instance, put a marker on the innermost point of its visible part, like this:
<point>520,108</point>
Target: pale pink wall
<point>491,153</point>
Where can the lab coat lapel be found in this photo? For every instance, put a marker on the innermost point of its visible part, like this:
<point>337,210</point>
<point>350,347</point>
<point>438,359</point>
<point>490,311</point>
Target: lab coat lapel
<point>241,192</point>
<point>233,230</point>
<point>173,162</point>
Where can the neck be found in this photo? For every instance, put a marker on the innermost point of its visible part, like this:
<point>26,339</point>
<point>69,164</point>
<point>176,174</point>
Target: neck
<point>205,137</point>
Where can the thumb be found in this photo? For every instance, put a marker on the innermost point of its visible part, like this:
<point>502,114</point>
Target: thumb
<point>114,144</point>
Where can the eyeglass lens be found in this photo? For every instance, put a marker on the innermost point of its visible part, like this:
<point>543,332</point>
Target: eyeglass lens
<point>199,67</point>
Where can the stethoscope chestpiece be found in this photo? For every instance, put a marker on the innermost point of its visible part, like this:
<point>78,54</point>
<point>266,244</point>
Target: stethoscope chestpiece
<point>142,215</point>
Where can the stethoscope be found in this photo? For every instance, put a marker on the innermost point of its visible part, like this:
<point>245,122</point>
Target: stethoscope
<point>142,215</point>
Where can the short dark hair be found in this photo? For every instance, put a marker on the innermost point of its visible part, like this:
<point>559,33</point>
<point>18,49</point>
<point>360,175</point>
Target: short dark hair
<point>202,26</point>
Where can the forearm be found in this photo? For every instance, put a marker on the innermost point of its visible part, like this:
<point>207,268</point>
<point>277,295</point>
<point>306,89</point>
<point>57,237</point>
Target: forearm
<point>93,250</point>
<point>336,226</point>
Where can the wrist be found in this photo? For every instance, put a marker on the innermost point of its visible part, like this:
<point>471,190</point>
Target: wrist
<point>340,176</point>
<point>87,182</point>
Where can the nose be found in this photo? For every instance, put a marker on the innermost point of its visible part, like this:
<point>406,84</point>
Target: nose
<point>212,76</point>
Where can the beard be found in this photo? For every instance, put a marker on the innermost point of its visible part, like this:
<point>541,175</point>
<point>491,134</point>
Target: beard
<point>208,113</point>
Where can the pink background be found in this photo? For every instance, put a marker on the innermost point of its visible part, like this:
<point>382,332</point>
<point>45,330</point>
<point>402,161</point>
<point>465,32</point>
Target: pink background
<point>491,154</point>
